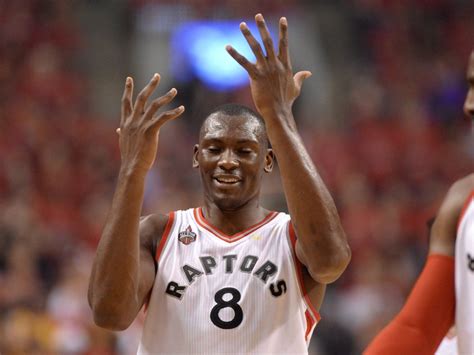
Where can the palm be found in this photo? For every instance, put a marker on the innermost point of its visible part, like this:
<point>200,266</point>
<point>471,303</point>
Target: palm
<point>263,98</point>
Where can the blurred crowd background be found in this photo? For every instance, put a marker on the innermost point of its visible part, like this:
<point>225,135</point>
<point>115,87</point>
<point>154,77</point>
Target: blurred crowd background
<point>381,116</point>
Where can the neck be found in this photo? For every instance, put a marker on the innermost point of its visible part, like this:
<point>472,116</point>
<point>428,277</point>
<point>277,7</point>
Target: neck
<point>236,220</point>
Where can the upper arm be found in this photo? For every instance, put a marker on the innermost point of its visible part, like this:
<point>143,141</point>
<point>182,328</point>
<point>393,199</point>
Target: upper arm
<point>151,231</point>
<point>444,228</point>
<point>315,270</point>
<point>313,289</point>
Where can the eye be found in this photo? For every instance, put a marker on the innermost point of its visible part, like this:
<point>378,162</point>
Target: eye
<point>245,151</point>
<point>214,149</point>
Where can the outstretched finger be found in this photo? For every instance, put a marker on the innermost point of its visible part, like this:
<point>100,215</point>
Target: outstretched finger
<point>283,52</point>
<point>159,102</point>
<point>239,58</point>
<point>254,45</point>
<point>145,94</point>
<point>126,100</point>
<point>265,35</point>
<point>160,120</point>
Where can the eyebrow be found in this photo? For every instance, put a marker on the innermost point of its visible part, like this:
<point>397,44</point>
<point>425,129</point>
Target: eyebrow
<point>246,141</point>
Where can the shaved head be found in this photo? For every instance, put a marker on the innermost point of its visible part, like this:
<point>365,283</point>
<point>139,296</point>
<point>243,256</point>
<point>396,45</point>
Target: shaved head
<point>230,111</point>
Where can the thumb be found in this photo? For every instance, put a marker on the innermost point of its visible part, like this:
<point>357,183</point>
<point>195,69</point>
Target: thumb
<point>300,77</point>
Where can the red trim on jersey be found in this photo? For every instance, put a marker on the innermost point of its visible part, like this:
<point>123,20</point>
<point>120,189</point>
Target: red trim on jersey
<point>309,324</point>
<point>158,251</point>
<point>299,273</point>
<point>165,235</point>
<point>201,220</point>
<point>465,207</point>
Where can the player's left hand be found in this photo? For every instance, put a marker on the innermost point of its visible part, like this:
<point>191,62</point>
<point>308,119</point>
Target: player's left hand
<point>273,85</point>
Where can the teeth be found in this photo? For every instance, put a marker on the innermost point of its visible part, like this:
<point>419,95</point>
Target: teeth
<point>227,180</point>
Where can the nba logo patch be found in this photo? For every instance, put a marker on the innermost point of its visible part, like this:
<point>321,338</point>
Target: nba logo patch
<point>187,236</point>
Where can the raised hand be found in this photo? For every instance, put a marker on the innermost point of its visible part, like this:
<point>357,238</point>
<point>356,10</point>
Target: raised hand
<point>273,85</point>
<point>140,125</point>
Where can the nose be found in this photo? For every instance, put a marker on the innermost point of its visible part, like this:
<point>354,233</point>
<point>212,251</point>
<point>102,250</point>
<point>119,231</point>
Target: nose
<point>469,103</point>
<point>228,161</point>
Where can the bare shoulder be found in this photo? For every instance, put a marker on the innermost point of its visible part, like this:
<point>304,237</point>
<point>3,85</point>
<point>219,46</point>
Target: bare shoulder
<point>443,231</point>
<point>459,192</point>
<point>463,186</point>
<point>151,229</point>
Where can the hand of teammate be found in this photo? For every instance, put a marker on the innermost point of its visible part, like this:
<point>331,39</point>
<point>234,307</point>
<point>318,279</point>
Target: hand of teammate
<point>140,125</point>
<point>273,85</point>
<point>443,231</point>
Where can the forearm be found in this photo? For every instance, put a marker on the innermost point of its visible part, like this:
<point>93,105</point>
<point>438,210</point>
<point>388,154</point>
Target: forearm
<point>114,283</point>
<point>426,316</point>
<point>314,215</point>
<point>321,245</point>
<point>123,270</point>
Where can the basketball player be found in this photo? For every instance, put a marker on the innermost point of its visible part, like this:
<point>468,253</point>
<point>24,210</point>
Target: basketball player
<point>445,283</point>
<point>229,276</point>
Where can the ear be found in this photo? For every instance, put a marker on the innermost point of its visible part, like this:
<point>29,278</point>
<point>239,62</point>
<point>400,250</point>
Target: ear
<point>196,156</point>
<point>269,159</point>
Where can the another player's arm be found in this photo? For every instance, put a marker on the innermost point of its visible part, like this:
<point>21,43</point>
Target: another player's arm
<point>322,246</point>
<point>444,229</point>
<point>124,268</point>
<point>417,329</point>
<point>426,316</point>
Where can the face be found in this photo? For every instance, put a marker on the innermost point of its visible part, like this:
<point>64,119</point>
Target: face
<point>469,103</point>
<point>232,156</point>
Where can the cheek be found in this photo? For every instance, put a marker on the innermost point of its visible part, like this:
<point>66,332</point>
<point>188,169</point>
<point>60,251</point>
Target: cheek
<point>255,170</point>
<point>207,161</point>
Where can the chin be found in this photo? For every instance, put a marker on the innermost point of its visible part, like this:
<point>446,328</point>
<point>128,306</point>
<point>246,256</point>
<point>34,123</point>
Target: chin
<point>226,203</point>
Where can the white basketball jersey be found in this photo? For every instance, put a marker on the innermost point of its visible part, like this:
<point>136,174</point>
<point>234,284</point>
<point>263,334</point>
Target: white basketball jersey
<point>215,294</point>
<point>464,279</point>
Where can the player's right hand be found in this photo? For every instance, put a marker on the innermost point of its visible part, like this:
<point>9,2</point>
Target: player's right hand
<point>273,85</point>
<point>443,231</point>
<point>140,125</point>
